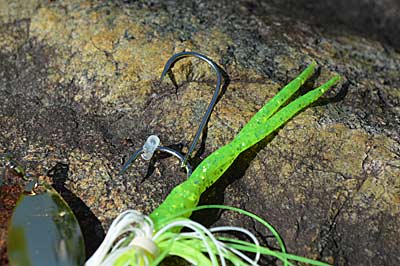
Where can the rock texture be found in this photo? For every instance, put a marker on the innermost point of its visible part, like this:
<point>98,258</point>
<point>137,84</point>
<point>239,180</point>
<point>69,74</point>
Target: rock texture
<point>79,91</point>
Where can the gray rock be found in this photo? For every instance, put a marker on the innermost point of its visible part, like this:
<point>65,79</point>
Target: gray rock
<point>79,88</point>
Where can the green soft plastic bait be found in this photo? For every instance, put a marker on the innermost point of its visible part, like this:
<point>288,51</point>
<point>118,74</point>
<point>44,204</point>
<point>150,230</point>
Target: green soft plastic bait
<point>264,122</point>
<point>135,239</point>
<point>44,231</point>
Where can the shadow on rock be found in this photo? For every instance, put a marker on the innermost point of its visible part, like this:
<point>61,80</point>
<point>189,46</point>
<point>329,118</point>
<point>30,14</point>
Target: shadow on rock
<point>92,230</point>
<point>369,18</point>
<point>216,193</point>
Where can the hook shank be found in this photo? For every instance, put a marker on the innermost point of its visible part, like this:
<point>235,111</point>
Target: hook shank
<point>149,148</point>
<point>168,65</point>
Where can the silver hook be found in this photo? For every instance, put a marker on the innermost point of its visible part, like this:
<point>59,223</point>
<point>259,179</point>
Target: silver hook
<point>168,65</point>
<point>152,144</point>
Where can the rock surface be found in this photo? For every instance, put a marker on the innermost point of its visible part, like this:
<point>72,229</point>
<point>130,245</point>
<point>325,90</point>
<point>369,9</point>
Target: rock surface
<point>79,92</point>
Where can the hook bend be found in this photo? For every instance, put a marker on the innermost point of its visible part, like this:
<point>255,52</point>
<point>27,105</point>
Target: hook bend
<point>210,107</point>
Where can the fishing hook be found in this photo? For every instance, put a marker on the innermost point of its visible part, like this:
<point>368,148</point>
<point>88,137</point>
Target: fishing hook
<point>152,141</point>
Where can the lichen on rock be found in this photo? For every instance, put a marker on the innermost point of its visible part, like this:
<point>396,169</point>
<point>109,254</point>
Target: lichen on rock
<point>80,90</point>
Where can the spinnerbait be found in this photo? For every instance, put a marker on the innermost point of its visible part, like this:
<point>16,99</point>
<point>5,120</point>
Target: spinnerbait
<point>135,239</point>
<point>43,229</point>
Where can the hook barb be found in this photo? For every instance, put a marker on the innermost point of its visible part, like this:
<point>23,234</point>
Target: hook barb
<point>210,107</point>
<point>183,159</point>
